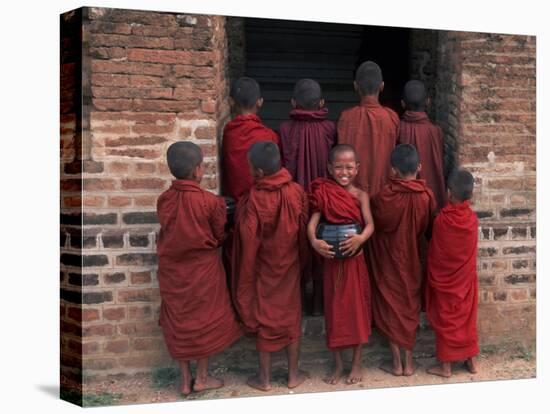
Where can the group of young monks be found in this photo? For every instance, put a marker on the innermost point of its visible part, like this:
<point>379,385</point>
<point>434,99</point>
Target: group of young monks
<point>416,250</point>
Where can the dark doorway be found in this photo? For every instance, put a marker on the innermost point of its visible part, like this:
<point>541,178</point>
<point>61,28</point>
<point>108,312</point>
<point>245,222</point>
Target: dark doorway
<point>280,52</point>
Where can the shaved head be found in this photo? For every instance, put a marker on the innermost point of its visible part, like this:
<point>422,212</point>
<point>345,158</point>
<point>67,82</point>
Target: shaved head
<point>245,92</point>
<point>404,159</point>
<point>182,158</point>
<point>368,78</point>
<point>414,95</point>
<point>265,156</point>
<point>461,184</point>
<point>339,149</point>
<point>307,94</point>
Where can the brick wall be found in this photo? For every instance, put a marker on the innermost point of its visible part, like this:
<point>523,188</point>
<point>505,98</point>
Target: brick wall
<point>496,141</point>
<point>148,79</point>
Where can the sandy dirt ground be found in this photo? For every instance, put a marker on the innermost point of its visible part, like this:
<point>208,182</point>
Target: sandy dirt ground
<point>237,363</point>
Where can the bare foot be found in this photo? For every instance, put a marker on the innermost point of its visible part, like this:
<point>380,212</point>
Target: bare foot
<point>186,388</point>
<point>409,368</point>
<point>210,383</point>
<point>471,365</point>
<point>257,383</point>
<point>335,375</point>
<point>388,366</point>
<point>440,370</point>
<point>354,376</point>
<point>297,379</point>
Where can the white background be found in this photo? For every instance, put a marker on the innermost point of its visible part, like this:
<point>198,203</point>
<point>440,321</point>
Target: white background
<point>30,191</point>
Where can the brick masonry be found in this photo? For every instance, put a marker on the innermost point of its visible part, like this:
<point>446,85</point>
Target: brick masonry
<point>147,79</point>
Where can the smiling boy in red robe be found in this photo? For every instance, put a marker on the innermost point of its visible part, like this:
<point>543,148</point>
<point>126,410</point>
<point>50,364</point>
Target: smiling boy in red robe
<point>196,315</point>
<point>417,129</point>
<point>269,237</point>
<point>370,128</point>
<point>346,281</point>
<point>306,141</point>
<point>451,300</point>
<point>402,213</point>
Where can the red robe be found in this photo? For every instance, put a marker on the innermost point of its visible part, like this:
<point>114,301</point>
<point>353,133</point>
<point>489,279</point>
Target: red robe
<point>270,234</point>
<point>346,286</point>
<point>451,297</point>
<point>196,315</point>
<point>402,213</point>
<point>372,130</point>
<point>417,129</point>
<point>238,135</point>
<point>306,141</point>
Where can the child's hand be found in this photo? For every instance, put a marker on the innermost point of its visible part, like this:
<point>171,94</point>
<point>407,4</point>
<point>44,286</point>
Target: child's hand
<point>352,244</point>
<point>323,248</point>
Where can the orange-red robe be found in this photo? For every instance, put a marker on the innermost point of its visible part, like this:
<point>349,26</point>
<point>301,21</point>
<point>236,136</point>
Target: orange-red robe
<point>270,234</point>
<point>346,286</point>
<point>306,141</point>
<point>451,297</point>
<point>402,212</point>
<point>238,135</point>
<point>372,130</point>
<point>196,315</point>
<point>417,129</point>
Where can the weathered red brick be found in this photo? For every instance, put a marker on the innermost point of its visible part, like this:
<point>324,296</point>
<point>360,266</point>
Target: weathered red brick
<point>140,278</point>
<point>138,295</point>
<point>153,128</point>
<point>112,104</point>
<point>119,201</point>
<point>208,107</point>
<point>140,81</point>
<point>145,168</point>
<point>114,314</point>
<point>139,328</point>
<point>117,346</point>
<point>132,140</point>
<point>137,68</point>
<point>84,315</point>
<point>154,31</point>
<point>162,105</point>
<point>145,201</point>
<point>98,184</point>
<point>131,92</point>
<point>117,167</point>
<point>135,153</point>
<point>93,201</point>
<point>141,312</point>
<point>98,330</point>
<point>143,183</point>
<point>204,132</point>
<point>109,79</point>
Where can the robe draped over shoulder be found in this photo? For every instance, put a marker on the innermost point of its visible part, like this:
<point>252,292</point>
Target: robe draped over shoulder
<point>196,315</point>
<point>372,129</point>
<point>417,129</point>
<point>451,297</point>
<point>402,213</point>
<point>268,252</point>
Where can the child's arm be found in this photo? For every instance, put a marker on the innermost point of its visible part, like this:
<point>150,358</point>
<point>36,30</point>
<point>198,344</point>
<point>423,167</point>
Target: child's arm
<point>353,244</point>
<point>320,246</point>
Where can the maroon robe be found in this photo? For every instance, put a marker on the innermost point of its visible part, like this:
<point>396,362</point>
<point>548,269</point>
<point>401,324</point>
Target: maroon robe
<point>270,234</point>
<point>372,130</point>
<point>196,315</point>
<point>238,135</point>
<point>451,297</point>
<point>402,213</point>
<point>417,129</point>
<point>346,286</point>
<point>306,141</point>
